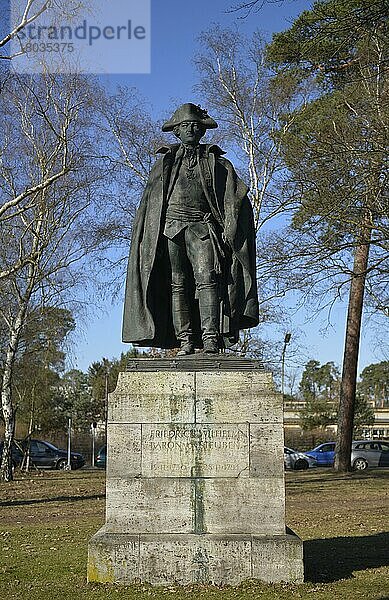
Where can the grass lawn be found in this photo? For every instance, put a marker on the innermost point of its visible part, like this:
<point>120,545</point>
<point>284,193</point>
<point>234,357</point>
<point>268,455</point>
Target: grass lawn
<point>47,518</point>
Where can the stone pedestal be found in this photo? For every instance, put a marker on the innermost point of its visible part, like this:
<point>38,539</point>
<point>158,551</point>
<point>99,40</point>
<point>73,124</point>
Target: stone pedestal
<point>195,477</point>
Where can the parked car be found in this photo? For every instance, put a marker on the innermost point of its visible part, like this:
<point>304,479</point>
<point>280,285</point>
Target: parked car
<point>293,459</point>
<point>101,458</point>
<point>44,455</point>
<point>324,454</point>
<point>369,453</point>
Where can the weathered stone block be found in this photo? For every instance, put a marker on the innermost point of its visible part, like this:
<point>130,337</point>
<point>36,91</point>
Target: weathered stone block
<point>237,397</point>
<point>150,505</point>
<point>194,559</point>
<point>278,558</point>
<point>266,451</point>
<point>184,559</point>
<point>243,506</point>
<point>124,456</point>
<point>160,397</point>
<point>113,557</point>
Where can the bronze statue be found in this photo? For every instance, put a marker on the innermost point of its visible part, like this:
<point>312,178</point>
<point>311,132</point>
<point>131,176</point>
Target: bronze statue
<point>191,280</point>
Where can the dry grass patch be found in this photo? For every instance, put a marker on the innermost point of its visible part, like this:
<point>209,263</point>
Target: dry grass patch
<point>46,520</point>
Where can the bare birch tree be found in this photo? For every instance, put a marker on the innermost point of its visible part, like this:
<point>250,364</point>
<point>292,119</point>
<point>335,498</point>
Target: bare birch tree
<point>20,190</point>
<point>236,84</point>
<point>50,131</point>
<point>75,160</point>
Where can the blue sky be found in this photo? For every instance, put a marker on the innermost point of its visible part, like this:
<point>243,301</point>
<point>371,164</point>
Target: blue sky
<point>175,27</point>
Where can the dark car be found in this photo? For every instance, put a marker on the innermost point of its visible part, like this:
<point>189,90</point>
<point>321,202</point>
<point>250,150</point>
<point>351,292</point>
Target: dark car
<point>44,455</point>
<point>101,458</point>
<point>369,453</point>
<point>324,454</point>
<point>298,461</point>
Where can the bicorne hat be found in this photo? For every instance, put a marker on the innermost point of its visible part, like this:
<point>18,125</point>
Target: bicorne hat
<point>189,112</point>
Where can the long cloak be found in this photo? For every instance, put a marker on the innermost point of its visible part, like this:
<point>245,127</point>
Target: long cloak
<point>147,319</point>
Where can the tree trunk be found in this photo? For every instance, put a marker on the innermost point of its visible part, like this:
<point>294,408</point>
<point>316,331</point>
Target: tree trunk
<point>6,473</point>
<point>351,352</point>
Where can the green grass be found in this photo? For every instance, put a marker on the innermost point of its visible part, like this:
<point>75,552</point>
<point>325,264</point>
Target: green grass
<point>47,519</point>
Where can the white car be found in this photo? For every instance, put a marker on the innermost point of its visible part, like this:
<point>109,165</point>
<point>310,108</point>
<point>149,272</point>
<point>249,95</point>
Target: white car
<point>369,453</point>
<point>298,461</point>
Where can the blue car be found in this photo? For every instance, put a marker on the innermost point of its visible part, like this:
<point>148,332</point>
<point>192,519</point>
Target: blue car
<point>324,454</point>
<point>101,458</point>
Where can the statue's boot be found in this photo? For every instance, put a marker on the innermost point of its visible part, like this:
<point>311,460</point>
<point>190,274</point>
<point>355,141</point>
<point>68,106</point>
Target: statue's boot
<point>209,317</point>
<point>182,322</point>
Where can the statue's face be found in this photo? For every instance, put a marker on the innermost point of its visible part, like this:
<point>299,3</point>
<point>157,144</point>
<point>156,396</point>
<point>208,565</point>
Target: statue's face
<point>190,132</point>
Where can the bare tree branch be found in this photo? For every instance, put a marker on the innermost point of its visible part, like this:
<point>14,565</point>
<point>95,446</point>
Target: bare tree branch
<point>30,14</point>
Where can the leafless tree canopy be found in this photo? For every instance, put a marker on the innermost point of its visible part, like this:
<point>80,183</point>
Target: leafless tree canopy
<point>245,8</point>
<point>31,10</point>
<point>73,163</point>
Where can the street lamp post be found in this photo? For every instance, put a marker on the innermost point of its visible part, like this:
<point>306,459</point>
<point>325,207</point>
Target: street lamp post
<point>106,401</point>
<point>286,342</point>
<point>93,431</point>
<point>69,463</point>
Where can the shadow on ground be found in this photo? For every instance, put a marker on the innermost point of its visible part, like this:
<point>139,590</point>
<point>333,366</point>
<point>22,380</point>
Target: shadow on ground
<point>53,499</point>
<point>328,476</point>
<point>331,559</point>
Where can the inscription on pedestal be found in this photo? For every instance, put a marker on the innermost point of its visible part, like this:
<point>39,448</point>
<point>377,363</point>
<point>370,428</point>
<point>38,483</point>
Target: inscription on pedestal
<point>195,450</point>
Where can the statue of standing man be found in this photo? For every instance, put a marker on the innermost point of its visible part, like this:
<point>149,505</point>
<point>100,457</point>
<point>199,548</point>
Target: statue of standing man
<point>191,280</point>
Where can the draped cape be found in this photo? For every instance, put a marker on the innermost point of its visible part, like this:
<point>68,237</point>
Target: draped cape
<point>147,319</point>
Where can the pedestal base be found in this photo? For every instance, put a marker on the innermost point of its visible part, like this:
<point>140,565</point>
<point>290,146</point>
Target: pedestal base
<point>195,477</point>
<point>184,559</point>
